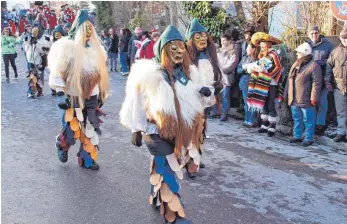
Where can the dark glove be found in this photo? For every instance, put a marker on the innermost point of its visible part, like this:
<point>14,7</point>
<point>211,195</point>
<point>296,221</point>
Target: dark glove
<point>205,91</point>
<point>26,38</point>
<point>65,104</point>
<point>136,139</point>
<point>47,38</point>
<point>218,86</point>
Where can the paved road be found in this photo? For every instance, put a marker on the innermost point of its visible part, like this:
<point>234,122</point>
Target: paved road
<point>249,178</point>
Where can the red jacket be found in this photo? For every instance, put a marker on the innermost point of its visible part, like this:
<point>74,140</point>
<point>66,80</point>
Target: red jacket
<point>13,28</point>
<point>52,21</point>
<point>21,26</point>
<point>146,51</point>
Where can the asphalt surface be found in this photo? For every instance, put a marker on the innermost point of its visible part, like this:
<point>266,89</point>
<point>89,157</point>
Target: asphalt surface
<point>249,178</point>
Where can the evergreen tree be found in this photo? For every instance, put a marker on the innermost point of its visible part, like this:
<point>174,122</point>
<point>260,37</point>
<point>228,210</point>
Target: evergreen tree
<point>105,18</point>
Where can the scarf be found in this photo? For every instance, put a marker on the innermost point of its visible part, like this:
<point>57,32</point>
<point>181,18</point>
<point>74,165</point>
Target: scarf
<point>298,64</point>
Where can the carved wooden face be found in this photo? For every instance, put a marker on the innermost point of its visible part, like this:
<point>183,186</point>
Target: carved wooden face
<point>35,31</point>
<point>89,30</point>
<point>57,35</point>
<point>176,51</point>
<point>200,40</point>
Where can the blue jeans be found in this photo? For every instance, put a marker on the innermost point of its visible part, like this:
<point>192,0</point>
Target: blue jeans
<point>341,110</point>
<point>304,117</point>
<point>323,107</point>
<point>249,114</point>
<point>226,100</point>
<point>123,61</point>
<point>112,57</point>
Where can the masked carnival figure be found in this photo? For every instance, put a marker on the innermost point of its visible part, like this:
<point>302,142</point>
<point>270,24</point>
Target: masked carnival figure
<point>36,50</point>
<point>163,106</point>
<point>264,86</point>
<point>57,33</point>
<point>78,66</point>
<point>203,54</point>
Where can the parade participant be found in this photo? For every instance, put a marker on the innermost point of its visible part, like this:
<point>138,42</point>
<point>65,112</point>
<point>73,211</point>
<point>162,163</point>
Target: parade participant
<point>163,105</point>
<point>58,33</point>
<point>12,26</point>
<point>35,49</point>
<point>79,61</point>
<point>263,85</point>
<point>22,23</point>
<point>321,49</point>
<point>303,91</point>
<point>202,52</point>
<point>8,51</point>
<point>67,28</point>
<point>26,35</point>
<point>336,79</point>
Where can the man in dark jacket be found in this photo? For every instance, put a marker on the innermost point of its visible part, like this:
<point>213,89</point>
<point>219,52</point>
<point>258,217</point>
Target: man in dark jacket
<point>123,50</point>
<point>132,47</point>
<point>113,52</point>
<point>321,49</point>
<point>336,78</point>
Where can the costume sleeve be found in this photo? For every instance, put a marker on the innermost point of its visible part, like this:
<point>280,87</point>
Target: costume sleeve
<point>59,57</point>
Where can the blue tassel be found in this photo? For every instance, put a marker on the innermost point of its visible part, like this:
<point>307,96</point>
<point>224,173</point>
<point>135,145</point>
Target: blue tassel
<point>70,135</point>
<point>159,162</point>
<point>88,161</point>
<point>170,178</point>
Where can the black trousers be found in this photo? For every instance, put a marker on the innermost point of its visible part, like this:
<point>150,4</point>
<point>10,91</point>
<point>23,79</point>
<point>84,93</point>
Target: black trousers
<point>10,58</point>
<point>269,107</point>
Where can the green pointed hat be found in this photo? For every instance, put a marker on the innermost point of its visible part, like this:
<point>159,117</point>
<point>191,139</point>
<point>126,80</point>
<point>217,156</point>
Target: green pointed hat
<point>59,28</point>
<point>81,17</point>
<point>170,33</point>
<point>194,27</point>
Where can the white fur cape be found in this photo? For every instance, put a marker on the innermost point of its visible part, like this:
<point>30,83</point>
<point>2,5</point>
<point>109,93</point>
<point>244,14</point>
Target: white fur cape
<point>61,58</point>
<point>147,88</point>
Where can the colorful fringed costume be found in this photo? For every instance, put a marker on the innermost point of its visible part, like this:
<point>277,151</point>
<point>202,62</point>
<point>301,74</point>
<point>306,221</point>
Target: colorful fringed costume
<point>203,54</point>
<point>36,50</point>
<point>264,83</point>
<point>164,104</point>
<point>85,83</point>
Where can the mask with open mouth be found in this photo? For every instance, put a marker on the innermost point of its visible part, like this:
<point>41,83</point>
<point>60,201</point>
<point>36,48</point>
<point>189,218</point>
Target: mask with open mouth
<point>177,50</point>
<point>200,40</point>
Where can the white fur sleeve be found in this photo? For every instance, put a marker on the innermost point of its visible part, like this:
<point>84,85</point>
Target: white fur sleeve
<point>56,82</point>
<point>59,57</point>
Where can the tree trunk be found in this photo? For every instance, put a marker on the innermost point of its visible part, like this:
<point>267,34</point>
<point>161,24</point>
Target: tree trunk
<point>173,13</point>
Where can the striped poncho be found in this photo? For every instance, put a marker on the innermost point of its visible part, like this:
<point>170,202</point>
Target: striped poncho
<point>259,83</point>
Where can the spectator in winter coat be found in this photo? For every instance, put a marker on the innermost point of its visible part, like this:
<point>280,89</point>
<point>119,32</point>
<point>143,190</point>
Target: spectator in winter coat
<point>303,91</point>
<point>132,49</point>
<point>123,49</point>
<point>114,50</point>
<point>321,49</point>
<point>107,43</point>
<point>8,51</point>
<point>249,30</point>
<point>336,79</point>
<point>146,51</point>
<point>228,60</point>
<point>52,20</point>
<point>242,70</point>
<point>26,35</point>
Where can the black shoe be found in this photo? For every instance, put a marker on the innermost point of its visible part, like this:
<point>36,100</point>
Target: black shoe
<point>7,79</point>
<point>62,155</point>
<point>320,130</point>
<point>262,130</point>
<point>54,93</point>
<point>339,138</point>
<point>223,117</point>
<point>94,166</point>
<point>60,93</point>
<point>306,143</point>
<point>271,133</point>
<point>192,175</point>
<point>202,166</point>
<point>111,70</point>
<point>295,140</point>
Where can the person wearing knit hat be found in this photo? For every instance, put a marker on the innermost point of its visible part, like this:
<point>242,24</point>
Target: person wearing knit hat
<point>78,66</point>
<point>57,34</point>
<point>264,83</point>
<point>162,105</point>
<point>132,49</point>
<point>203,54</point>
<point>305,74</point>
<point>336,76</point>
<point>321,49</point>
